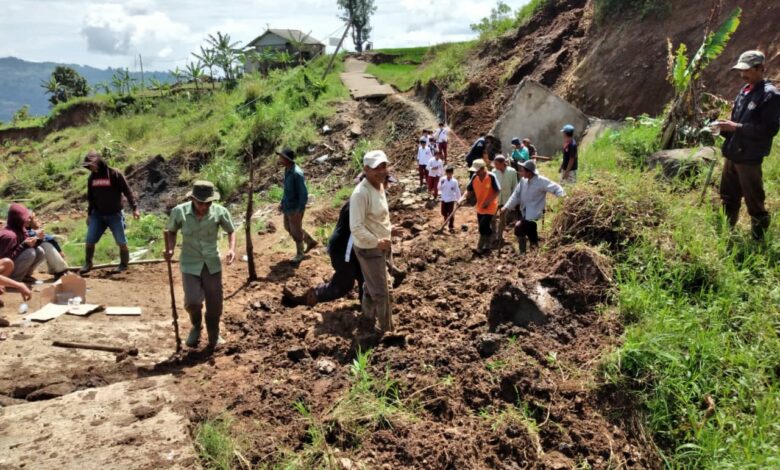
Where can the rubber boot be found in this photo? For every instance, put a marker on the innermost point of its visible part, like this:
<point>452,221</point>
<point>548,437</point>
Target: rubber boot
<point>299,252</point>
<point>89,254</point>
<point>212,328</point>
<point>124,259</point>
<point>478,250</point>
<point>194,336</point>
<point>311,243</point>
<point>385,316</point>
<point>758,226</point>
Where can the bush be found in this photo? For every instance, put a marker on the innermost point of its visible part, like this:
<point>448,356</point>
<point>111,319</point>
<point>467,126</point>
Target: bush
<point>226,173</point>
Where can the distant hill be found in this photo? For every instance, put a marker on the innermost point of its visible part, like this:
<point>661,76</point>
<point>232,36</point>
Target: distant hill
<point>20,83</point>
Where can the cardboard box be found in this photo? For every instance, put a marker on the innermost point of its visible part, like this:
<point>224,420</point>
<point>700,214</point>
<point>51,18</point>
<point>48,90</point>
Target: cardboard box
<point>68,286</point>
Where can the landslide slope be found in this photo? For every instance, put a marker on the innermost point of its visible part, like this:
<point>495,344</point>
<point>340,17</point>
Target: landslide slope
<point>610,68</point>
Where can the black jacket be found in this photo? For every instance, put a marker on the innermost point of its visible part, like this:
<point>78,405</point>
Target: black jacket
<point>105,189</point>
<point>759,114</point>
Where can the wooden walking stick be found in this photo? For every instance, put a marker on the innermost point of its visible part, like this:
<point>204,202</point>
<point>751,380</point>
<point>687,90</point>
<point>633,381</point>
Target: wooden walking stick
<point>173,296</point>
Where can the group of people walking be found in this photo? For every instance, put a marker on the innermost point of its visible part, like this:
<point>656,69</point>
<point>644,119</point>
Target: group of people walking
<point>360,248</point>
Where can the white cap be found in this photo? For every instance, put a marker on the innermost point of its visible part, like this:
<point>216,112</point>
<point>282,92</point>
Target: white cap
<point>375,158</point>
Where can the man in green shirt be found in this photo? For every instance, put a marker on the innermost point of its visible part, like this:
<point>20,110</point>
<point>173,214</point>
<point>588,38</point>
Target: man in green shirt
<point>201,269</point>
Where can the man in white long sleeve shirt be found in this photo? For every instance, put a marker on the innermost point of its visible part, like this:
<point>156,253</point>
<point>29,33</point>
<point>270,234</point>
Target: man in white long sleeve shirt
<point>369,222</point>
<point>507,178</point>
<point>531,196</point>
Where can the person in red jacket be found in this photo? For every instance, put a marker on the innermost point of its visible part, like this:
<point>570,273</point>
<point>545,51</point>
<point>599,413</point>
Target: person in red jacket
<point>15,245</point>
<point>105,188</point>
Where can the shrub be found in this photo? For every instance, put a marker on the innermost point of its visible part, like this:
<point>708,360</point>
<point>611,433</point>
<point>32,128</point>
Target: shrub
<point>226,173</point>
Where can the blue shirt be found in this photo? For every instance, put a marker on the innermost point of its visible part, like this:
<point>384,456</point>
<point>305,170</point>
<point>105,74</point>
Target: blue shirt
<point>295,193</point>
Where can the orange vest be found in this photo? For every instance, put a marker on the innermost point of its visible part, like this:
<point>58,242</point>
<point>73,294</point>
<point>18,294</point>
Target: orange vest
<point>483,189</point>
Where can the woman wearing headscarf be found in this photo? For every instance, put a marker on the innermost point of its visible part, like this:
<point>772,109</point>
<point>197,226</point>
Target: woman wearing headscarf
<point>17,246</point>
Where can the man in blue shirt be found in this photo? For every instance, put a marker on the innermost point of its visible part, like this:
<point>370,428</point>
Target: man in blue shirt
<point>293,204</point>
<point>568,169</point>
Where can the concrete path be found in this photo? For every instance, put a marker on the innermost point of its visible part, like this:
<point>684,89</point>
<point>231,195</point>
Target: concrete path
<point>360,84</point>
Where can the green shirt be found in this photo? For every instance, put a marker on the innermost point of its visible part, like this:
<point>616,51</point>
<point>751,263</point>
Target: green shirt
<point>199,237</point>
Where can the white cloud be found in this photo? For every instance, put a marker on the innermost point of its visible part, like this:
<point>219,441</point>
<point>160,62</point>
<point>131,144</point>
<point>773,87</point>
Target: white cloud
<point>116,29</point>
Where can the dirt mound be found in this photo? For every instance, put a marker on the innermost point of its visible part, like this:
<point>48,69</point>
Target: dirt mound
<point>581,278</point>
<point>512,304</point>
<point>156,183</point>
<point>603,214</point>
<point>580,59</point>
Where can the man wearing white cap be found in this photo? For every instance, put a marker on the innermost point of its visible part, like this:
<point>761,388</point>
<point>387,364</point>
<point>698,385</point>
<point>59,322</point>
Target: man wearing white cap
<point>755,120</point>
<point>369,222</point>
<point>531,196</point>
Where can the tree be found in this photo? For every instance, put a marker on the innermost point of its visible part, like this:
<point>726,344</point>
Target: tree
<point>226,53</point>
<point>209,59</point>
<point>194,71</point>
<point>64,84</point>
<point>358,14</point>
<point>497,23</point>
<point>122,82</point>
<point>685,113</point>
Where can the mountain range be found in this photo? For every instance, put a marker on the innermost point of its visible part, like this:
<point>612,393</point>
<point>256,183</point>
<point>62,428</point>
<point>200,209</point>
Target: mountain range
<point>20,83</point>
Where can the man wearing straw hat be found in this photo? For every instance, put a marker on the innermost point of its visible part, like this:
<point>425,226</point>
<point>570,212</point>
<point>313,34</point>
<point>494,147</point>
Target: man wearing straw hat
<point>293,204</point>
<point>201,269</point>
<point>486,188</point>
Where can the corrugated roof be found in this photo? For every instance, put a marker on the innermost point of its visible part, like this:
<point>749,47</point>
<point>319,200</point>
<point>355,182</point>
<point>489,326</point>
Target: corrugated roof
<point>289,35</point>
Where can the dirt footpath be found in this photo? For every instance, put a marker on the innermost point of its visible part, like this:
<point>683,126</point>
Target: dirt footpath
<point>360,84</point>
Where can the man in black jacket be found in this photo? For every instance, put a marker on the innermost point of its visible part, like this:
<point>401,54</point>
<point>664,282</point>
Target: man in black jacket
<point>105,188</point>
<point>755,120</point>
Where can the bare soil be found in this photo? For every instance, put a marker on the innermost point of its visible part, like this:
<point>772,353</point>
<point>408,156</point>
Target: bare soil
<point>475,337</point>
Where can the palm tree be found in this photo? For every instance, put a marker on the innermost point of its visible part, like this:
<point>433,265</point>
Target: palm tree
<point>176,74</point>
<point>209,59</point>
<point>194,71</point>
<point>226,52</point>
<point>102,86</point>
<point>52,87</point>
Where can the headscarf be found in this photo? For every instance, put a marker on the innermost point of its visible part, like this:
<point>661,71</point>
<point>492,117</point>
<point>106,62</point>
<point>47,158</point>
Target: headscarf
<point>12,236</point>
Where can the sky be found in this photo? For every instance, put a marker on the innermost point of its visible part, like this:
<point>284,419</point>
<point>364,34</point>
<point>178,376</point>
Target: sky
<point>104,33</point>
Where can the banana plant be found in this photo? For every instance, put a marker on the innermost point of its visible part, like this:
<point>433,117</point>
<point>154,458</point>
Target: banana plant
<point>194,71</point>
<point>685,77</point>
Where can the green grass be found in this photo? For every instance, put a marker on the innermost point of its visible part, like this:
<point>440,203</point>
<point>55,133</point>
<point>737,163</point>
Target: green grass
<point>407,55</point>
<point>702,308</point>
<point>143,234</point>
<point>216,446</point>
<point>401,76</point>
<point>284,109</point>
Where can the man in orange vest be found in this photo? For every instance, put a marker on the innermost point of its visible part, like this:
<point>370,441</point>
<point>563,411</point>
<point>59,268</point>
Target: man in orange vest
<point>486,188</point>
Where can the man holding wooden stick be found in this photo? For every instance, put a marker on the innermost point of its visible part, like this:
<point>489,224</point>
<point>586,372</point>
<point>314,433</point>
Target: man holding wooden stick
<point>201,268</point>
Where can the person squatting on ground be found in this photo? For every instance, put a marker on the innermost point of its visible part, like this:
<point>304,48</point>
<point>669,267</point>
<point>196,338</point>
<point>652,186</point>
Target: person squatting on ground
<point>346,268</point>
<point>568,169</point>
<point>507,180</point>
<point>369,222</point>
<point>105,188</point>
<point>21,249</point>
<point>486,188</point>
<point>55,258</point>
<point>435,170</point>
<point>755,119</point>
<point>6,266</point>
<point>450,195</point>
<point>442,140</point>
<point>531,196</point>
<point>423,157</point>
<point>293,204</point>
<point>201,269</point>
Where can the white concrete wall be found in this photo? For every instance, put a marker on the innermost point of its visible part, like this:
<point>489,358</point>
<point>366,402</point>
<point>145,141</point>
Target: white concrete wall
<point>539,114</point>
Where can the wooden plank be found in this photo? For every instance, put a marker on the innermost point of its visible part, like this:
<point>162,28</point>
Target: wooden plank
<point>123,310</point>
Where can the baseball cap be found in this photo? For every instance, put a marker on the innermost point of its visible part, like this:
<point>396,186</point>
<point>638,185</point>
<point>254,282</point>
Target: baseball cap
<point>499,158</point>
<point>568,129</point>
<point>515,141</point>
<point>749,59</point>
<point>374,158</point>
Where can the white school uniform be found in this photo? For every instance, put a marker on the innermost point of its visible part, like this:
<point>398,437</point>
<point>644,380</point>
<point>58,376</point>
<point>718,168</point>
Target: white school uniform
<point>449,190</point>
<point>435,167</point>
<point>423,155</point>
